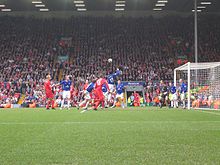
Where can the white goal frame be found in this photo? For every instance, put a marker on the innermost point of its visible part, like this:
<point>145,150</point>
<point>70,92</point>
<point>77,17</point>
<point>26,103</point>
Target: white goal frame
<point>193,66</point>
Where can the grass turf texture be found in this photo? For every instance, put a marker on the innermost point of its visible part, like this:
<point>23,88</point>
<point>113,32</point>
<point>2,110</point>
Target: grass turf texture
<point>132,136</point>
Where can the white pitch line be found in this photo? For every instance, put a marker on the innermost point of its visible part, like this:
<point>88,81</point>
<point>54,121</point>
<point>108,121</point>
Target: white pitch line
<point>214,113</point>
<point>103,122</point>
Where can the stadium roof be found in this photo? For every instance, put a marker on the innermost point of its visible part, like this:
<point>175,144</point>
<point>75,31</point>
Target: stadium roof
<point>108,5</point>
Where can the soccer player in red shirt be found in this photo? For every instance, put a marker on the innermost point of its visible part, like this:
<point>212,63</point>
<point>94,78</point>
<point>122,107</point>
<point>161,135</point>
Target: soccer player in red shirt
<point>49,92</point>
<point>136,99</point>
<point>98,92</point>
<point>86,85</point>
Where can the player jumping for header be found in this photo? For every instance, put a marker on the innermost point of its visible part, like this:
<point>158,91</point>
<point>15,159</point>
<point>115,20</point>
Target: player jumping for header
<point>111,81</point>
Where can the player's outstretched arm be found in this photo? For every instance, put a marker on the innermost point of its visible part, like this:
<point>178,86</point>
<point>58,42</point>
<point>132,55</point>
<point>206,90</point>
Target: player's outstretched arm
<point>55,85</point>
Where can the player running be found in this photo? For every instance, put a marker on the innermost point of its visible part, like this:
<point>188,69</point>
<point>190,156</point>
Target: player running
<point>119,94</point>
<point>66,85</point>
<point>49,92</point>
<point>87,95</point>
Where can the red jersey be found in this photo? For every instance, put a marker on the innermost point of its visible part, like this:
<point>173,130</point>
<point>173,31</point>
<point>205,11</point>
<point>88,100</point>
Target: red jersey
<point>47,86</point>
<point>8,85</point>
<point>100,82</point>
<point>85,86</point>
<point>136,96</point>
<point>48,90</point>
<point>72,92</point>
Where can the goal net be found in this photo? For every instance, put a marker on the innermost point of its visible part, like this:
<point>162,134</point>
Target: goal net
<point>203,84</point>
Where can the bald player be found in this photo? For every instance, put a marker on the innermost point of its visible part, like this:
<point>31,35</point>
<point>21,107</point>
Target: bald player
<point>49,92</point>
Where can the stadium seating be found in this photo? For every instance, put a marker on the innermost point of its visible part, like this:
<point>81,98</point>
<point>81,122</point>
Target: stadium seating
<point>147,48</point>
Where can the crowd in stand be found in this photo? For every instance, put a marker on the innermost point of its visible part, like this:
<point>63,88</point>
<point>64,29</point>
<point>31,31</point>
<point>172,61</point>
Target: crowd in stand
<point>148,49</point>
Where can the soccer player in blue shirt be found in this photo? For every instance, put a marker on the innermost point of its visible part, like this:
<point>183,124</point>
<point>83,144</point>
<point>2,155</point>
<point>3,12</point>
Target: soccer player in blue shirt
<point>111,81</point>
<point>106,94</point>
<point>183,90</point>
<point>66,85</point>
<point>173,96</point>
<point>87,96</point>
<point>119,94</point>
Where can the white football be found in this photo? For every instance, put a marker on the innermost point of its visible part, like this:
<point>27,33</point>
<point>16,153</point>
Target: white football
<point>109,60</point>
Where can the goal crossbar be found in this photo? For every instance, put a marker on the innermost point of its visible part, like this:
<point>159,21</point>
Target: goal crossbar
<point>196,66</point>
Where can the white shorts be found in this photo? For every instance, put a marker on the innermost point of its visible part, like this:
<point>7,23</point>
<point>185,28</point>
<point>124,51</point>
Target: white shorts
<point>109,96</point>
<point>182,96</point>
<point>174,97</point>
<point>105,95</point>
<point>87,95</point>
<point>66,94</point>
<point>120,95</point>
<point>111,87</point>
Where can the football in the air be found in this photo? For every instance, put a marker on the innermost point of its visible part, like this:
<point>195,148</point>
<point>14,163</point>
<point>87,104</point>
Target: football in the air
<point>110,60</point>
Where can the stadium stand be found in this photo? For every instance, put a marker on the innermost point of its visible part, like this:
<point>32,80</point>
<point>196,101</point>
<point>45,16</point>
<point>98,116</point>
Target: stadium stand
<point>147,48</point>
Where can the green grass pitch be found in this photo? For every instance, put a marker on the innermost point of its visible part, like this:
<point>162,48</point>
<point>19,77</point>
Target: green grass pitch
<point>118,137</point>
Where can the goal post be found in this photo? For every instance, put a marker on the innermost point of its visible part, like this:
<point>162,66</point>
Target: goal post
<point>203,84</point>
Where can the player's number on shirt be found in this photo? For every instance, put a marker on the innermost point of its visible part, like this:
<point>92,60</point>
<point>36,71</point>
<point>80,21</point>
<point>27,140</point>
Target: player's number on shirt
<point>99,82</point>
<point>111,80</point>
